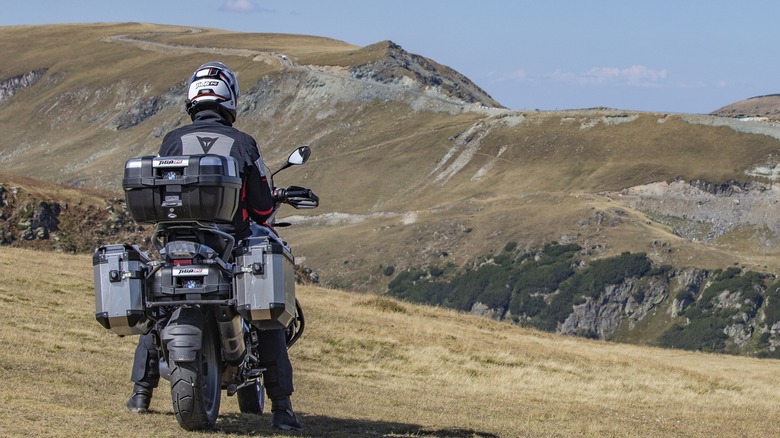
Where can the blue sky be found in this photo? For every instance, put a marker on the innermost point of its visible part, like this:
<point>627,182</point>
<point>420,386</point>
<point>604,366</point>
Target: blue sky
<point>678,56</point>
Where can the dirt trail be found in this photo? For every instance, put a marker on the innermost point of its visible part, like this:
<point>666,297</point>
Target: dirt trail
<point>155,46</point>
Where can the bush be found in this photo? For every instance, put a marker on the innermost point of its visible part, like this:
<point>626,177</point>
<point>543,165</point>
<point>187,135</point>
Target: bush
<point>685,297</point>
<point>772,304</point>
<point>556,250</point>
<point>702,334</point>
<point>592,280</point>
<point>660,270</point>
<point>520,283</point>
<point>729,280</point>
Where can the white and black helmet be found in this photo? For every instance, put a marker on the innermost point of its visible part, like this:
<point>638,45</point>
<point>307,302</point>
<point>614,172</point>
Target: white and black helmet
<point>213,86</point>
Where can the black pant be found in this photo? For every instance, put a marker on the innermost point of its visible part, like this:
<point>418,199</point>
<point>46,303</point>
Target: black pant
<point>278,378</point>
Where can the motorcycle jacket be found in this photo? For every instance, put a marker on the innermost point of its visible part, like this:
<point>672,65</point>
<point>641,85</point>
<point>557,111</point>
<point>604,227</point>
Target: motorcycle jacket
<point>210,133</point>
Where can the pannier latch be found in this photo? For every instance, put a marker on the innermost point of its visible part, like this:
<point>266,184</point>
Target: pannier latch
<point>257,268</point>
<point>114,276</point>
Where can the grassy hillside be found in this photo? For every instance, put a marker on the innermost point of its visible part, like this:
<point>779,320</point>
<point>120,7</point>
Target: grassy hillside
<point>411,160</point>
<point>372,366</point>
<point>415,165</point>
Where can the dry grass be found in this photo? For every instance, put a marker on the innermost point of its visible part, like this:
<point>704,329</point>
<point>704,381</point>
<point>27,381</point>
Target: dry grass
<point>371,366</point>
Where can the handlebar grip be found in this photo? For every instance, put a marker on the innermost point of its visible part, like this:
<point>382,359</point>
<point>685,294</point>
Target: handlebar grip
<point>279,195</point>
<point>300,197</point>
<point>298,193</point>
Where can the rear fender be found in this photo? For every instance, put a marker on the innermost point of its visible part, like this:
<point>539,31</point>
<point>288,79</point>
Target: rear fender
<point>183,334</point>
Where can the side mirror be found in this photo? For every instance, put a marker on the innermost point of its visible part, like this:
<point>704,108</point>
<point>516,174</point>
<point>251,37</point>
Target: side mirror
<point>298,156</point>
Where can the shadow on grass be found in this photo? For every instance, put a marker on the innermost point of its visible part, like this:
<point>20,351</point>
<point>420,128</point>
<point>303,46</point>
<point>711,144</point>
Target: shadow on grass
<point>320,426</point>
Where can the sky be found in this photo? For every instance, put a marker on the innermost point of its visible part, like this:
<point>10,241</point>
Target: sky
<point>670,56</point>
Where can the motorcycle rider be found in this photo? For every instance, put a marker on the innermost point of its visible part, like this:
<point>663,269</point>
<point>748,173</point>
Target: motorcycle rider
<point>211,103</point>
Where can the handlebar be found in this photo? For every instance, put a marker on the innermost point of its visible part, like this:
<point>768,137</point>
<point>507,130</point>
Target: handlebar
<point>297,197</point>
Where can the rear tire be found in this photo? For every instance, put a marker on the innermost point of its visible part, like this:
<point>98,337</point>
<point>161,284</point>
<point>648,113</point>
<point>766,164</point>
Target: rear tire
<point>196,387</point>
<point>251,399</point>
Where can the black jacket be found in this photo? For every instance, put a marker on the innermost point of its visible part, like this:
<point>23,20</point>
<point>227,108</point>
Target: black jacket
<point>210,133</point>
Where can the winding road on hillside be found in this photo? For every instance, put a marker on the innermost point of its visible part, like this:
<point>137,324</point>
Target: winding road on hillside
<point>155,46</point>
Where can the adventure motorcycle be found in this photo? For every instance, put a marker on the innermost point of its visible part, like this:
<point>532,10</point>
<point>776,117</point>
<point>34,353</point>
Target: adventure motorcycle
<point>206,296</point>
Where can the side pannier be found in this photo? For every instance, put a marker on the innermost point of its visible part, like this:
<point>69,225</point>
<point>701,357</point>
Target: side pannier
<point>120,286</point>
<point>265,283</point>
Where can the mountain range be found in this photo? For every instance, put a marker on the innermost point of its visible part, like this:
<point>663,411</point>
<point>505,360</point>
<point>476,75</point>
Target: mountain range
<point>416,165</point>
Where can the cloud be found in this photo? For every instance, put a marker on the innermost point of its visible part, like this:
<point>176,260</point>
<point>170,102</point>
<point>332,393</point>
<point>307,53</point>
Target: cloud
<point>238,6</point>
<point>518,75</point>
<point>635,76</point>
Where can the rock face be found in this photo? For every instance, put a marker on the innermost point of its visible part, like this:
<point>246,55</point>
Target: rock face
<point>688,284</point>
<point>598,318</point>
<point>13,85</point>
<point>701,211</point>
<point>29,220</point>
<point>727,310</point>
<point>398,65</point>
<point>629,301</point>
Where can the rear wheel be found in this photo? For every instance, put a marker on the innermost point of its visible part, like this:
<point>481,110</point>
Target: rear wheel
<point>250,398</point>
<point>196,386</point>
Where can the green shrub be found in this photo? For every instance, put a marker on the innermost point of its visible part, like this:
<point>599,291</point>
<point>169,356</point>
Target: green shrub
<point>591,280</point>
<point>702,334</point>
<point>772,304</point>
<point>519,283</point>
<point>660,270</point>
<point>685,297</point>
<point>728,273</point>
<point>556,250</point>
<point>749,284</point>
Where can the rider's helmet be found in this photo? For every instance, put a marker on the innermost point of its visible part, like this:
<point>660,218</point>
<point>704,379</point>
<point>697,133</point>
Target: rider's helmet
<point>213,86</point>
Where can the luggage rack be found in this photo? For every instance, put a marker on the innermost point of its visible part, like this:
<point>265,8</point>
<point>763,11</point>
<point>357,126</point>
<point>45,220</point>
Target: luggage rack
<point>228,302</point>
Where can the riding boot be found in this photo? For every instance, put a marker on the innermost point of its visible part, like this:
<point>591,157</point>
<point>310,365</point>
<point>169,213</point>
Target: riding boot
<point>139,401</point>
<point>283,416</point>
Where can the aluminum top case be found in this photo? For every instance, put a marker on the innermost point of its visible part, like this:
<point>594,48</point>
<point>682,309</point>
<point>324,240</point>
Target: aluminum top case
<point>182,188</point>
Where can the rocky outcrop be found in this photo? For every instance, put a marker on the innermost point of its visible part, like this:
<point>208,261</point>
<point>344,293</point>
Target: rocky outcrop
<point>146,108</point>
<point>701,211</point>
<point>631,301</point>
<point>687,283</point>
<point>30,220</point>
<point>398,64</point>
<point>12,85</point>
<point>598,318</point>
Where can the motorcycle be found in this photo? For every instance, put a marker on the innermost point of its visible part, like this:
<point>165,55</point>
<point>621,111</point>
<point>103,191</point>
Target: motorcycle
<point>205,297</point>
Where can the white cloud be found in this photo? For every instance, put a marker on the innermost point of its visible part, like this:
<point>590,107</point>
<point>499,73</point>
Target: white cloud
<point>518,75</point>
<point>238,6</point>
<point>635,76</point>
<point>638,75</point>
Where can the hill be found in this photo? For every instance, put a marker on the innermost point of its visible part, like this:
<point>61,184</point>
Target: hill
<point>416,166</point>
<point>373,366</point>
<point>755,107</point>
